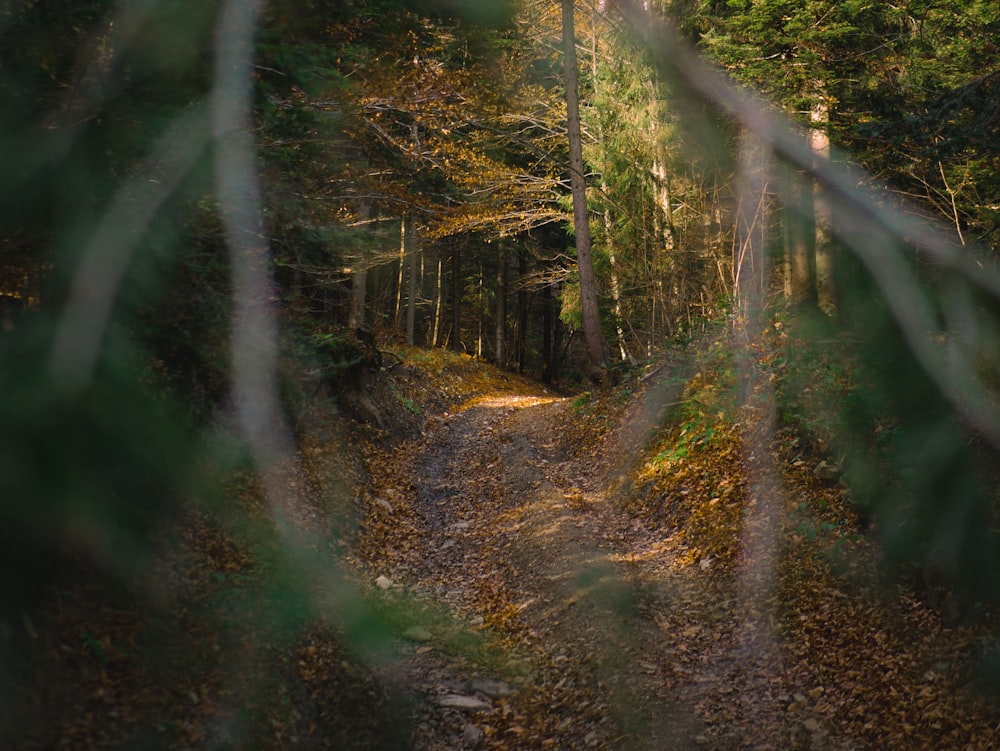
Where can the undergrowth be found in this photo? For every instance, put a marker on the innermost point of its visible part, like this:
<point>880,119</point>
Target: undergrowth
<point>817,377</point>
<point>690,478</point>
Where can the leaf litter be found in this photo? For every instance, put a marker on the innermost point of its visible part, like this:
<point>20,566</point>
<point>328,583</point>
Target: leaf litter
<point>629,597</point>
<point>539,572</point>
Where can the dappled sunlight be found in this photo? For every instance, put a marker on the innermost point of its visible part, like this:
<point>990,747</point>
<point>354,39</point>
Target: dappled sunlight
<point>553,528</point>
<point>659,552</point>
<point>508,401</point>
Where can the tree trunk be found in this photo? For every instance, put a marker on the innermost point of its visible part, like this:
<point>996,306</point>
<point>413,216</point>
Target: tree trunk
<point>799,230</point>
<point>359,277</point>
<point>411,241</point>
<point>750,271</point>
<point>481,309</point>
<point>547,316</point>
<point>456,295</point>
<point>359,286</point>
<point>410,244</point>
<point>826,293</point>
<point>502,305</point>
<point>665,218</point>
<point>438,295</point>
<point>609,238</point>
<point>597,346</point>
<point>616,296</point>
<point>552,336</point>
<point>397,316</point>
<point>522,308</point>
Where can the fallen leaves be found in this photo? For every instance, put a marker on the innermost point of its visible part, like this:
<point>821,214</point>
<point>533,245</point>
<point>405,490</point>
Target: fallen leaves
<point>532,604</point>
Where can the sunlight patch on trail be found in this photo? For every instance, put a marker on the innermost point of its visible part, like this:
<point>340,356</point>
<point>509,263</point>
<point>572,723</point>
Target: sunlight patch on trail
<point>508,401</point>
<point>656,551</point>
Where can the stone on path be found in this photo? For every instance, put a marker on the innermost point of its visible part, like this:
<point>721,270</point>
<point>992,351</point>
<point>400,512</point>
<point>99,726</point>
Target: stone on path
<point>472,736</point>
<point>465,703</point>
<point>491,688</point>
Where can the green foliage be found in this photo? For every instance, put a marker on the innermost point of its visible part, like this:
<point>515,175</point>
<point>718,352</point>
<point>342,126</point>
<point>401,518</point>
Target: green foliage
<point>581,402</point>
<point>337,351</point>
<point>815,373</point>
<point>333,361</point>
<point>920,476</point>
<point>405,401</point>
<point>649,224</point>
<point>183,318</point>
<point>811,528</point>
<point>88,473</point>
<point>706,410</point>
<point>571,312</point>
<point>904,85</point>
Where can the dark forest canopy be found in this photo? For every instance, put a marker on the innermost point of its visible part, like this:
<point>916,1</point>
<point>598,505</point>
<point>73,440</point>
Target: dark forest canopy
<point>369,114</point>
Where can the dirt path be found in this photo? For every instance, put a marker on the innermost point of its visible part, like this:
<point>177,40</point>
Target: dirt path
<point>537,574</point>
<point>611,642</point>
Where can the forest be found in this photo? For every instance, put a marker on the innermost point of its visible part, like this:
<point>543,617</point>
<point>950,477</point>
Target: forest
<point>521,374</point>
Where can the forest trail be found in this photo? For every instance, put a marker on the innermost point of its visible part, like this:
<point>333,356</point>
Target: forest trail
<point>507,515</point>
<point>530,572</point>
